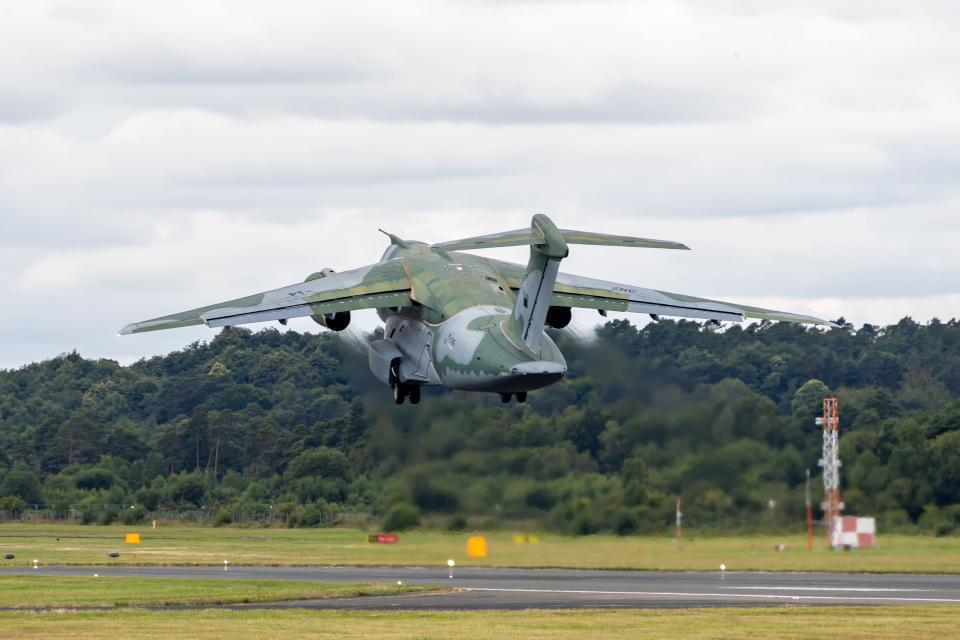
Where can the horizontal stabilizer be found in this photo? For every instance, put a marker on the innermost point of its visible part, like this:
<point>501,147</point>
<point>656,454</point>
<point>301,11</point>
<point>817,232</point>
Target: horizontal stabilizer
<point>522,237</point>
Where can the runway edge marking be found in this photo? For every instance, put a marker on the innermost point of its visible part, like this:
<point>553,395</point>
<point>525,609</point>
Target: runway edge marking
<point>757,596</point>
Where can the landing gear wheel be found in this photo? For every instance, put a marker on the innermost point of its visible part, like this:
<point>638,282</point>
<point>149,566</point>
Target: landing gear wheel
<point>394,374</point>
<point>399,393</point>
<point>504,398</point>
<point>415,394</point>
<point>522,397</point>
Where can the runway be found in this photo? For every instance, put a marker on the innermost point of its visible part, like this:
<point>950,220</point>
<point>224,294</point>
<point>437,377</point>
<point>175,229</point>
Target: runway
<point>481,588</point>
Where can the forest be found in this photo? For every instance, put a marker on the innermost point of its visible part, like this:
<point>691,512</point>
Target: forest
<point>292,428</point>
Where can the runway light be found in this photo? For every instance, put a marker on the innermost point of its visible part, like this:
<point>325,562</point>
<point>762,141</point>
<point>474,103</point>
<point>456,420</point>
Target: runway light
<point>723,567</point>
<point>399,583</point>
<point>35,563</point>
<point>226,564</point>
<point>451,564</point>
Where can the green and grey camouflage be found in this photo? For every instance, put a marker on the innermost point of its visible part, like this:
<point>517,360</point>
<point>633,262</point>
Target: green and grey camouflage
<point>465,321</point>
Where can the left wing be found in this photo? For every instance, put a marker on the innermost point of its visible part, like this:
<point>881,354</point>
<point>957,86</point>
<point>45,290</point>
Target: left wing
<point>590,293</point>
<point>380,285</point>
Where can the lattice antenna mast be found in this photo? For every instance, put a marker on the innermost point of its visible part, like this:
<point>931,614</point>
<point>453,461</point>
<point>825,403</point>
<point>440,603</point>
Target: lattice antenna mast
<point>830,461</point>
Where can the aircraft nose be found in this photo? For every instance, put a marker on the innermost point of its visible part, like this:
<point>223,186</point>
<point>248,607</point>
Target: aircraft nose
<point>538,368</point>
<point>527,376</point>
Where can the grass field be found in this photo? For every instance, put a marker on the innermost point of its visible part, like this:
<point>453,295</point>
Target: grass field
<point>847,623</point>
<point>47,591</point>
<point>66,544</point>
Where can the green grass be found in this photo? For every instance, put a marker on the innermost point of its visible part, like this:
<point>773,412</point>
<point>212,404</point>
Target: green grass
<point>66,544</point>
<point>32,591</point>
<point>846,623</point>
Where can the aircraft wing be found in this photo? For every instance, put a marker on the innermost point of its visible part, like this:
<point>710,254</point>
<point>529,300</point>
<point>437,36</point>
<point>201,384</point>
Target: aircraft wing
<point>381,285</point>
<point>590,293</point>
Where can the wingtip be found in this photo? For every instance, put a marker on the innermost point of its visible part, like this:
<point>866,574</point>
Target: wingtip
<point>127,330</point>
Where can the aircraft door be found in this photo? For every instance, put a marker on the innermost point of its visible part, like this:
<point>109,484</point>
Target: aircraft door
<point>423,367</point>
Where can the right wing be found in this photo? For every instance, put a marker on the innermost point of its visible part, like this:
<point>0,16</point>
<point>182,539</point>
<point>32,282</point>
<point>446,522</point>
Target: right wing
<point>381,285</point>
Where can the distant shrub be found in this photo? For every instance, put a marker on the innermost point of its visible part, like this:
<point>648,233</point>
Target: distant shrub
<point>109,515</point>
<point>187,488</point>
<point>13,503</point>
<point>309,515</point>
<point>22,481</point>
<point>134,516</point>
<point>625,523</point>
<point>149,498</point>
<point>400,517</point>
<point>584,525</point>
<point>429,496</point>
<point>457,523</point>
<point>540,498</point>
<point>96,478</point>
<point>223,517</point>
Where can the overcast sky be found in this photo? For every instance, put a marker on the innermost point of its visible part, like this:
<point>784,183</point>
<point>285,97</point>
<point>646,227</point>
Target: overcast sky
<point>159,156</point>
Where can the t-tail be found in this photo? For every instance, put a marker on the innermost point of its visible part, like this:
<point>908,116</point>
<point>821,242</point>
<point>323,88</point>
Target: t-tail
<point>548,246</point>
<point>533,297</point>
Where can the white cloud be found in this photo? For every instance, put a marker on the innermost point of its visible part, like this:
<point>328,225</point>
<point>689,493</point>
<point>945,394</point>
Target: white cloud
<point>155,156</point>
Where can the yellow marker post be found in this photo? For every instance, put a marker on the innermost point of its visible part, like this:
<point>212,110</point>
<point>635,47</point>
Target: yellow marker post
<point>477,547</point>
<point>132,538</point>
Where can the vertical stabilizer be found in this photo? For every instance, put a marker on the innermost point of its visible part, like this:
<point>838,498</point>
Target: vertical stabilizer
<point>533,298</point>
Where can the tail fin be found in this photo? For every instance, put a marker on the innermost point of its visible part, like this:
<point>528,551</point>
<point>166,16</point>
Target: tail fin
<point>548,246</point>
<point>533,298</point>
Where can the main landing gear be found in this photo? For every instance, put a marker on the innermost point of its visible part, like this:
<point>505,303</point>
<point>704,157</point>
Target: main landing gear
<point>521,397</point>
<point>402,391</point>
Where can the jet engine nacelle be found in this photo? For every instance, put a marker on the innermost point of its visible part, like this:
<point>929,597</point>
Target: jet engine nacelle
<point>334,321</point>
<point>558,317</point>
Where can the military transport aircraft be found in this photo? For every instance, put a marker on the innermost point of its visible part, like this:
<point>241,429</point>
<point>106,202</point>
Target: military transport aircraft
<point>464,321</point>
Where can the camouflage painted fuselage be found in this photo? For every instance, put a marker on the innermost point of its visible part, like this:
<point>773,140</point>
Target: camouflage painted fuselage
<point>461,331</point>
<point>465,321</point>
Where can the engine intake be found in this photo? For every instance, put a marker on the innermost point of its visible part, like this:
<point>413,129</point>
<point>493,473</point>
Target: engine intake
<point>337,321</point>
<point>334,321</point>
<point>558,317</point>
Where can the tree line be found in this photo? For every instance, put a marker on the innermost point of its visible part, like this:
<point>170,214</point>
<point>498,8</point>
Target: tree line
<point>293,425</point>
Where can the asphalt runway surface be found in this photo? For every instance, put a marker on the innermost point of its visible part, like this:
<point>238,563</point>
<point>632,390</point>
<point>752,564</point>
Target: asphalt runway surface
<point>481,588</point>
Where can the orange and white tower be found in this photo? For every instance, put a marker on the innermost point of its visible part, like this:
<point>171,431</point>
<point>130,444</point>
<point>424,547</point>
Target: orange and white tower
<point>830,461</point>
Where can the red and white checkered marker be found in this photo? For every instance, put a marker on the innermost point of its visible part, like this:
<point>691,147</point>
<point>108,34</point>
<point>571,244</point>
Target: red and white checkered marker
<point>854,532</point>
